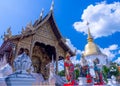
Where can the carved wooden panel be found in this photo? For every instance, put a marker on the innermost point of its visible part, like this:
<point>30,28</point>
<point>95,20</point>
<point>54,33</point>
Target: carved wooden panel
<point>24,43</point>
<point>60,51</point>
<point>45,34</point>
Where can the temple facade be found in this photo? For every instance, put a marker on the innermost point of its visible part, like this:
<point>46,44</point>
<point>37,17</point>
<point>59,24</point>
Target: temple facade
<point>42,40</point>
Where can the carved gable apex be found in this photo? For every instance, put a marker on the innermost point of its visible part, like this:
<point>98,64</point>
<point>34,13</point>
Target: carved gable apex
<point>46,31</point>
<point>49,19</point>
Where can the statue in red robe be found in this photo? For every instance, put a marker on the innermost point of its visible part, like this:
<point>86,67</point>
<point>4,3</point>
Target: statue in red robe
<point>69,70</point>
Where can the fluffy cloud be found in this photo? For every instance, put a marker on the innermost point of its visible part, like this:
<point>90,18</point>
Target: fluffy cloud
<point>75,60</point>
<point>119,52</point>
<point>72,47</point>
<point>104,19</point>
<point>118,60</point>
<point>113,47</point>
<point>111,51</point>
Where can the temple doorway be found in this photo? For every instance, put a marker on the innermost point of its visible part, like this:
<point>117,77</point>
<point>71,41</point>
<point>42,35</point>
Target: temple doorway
<point>42,55</point>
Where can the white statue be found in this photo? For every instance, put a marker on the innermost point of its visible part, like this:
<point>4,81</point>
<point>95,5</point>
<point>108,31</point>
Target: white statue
<point>91,66</point>
<point>113,79</point>
<point>22,63</point>
<point>83,61</point>
<point>52,72</point>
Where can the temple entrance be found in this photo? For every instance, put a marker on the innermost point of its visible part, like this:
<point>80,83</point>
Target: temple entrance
<point>41,56</point>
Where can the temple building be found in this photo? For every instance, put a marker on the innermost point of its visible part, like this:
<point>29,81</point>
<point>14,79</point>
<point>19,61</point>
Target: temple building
<point>42,40</point>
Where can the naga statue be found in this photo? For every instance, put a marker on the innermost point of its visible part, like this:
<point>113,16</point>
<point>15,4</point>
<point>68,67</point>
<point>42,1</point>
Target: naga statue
<point>54,79</point>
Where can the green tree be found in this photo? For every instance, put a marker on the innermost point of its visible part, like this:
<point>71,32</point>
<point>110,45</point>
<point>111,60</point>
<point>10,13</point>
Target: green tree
<point>105,71</point>
<point>77,73</point>
<point>61,73</point>
<point>116,72</point>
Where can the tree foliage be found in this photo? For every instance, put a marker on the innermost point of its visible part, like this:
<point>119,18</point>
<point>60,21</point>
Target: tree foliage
<point>105,71</point>
<point>61,73</point>
<point>77,73</point>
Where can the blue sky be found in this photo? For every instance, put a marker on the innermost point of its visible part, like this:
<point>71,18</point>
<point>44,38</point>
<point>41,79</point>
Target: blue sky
<point>70,16</point>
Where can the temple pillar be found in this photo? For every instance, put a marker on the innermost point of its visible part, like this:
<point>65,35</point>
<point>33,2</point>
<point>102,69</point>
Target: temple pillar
<point>31,47</point>
<point>57,64</point>
<point>64,61</point>
<point>57,58</point>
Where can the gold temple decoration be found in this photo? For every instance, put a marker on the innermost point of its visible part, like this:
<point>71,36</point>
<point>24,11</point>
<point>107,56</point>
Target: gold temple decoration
<point>41,14</point>
<point>23,30</point>
<point>8,34</point>
<point>29,27</point>
<point>90,39</point>
<point>91,48</point>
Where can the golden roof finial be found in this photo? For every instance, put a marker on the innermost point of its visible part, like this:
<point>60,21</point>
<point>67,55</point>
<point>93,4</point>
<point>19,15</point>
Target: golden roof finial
<point>8,34</point>
<point>23,30</point>
<point>41,14</point>
<point>90,38</point>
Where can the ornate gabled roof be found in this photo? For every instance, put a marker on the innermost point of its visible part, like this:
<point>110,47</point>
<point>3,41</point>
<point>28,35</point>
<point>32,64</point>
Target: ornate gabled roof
<point>38,23</point>
<point>50,17</point>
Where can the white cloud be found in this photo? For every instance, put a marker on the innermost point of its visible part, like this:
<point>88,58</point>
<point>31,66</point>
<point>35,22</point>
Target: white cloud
<point>110,51</point>
<point>68,42</point>
<point>75,60</point>
<point>119,52</point>
<point>72,47</point>
<point>118,60</point>
<point>113,47</point>
<point>104,19</point>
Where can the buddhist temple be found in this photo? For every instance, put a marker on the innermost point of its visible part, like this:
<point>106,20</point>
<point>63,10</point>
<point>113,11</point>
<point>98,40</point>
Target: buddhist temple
<point>42,40</point>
